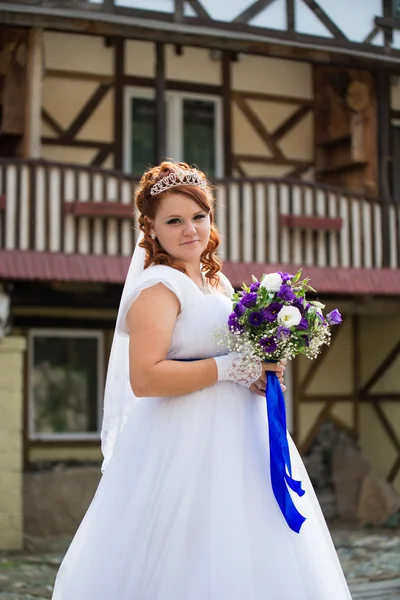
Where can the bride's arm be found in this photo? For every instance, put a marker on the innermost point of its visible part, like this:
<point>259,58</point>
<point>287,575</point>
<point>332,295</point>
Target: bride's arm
<point>151,322</point>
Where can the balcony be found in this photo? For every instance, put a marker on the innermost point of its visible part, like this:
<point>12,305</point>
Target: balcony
<point>61,210</point>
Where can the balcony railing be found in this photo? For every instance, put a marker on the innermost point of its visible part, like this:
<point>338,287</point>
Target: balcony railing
<point>75,209</point>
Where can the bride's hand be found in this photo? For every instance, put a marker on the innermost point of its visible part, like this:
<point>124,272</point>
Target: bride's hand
<point>259,386</point>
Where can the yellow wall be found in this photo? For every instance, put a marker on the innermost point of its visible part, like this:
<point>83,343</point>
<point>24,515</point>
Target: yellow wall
<point>64,97</point>
<point>378,335</point>
<point>11,451</point>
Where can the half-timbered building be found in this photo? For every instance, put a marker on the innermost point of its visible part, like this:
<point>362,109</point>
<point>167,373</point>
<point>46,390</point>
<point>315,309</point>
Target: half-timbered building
<point>292,107</point>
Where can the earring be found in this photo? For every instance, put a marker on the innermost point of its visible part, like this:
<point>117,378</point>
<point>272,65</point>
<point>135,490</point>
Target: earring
<point>153,236</point>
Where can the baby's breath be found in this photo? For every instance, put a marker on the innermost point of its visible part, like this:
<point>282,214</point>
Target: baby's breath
<point>256,329</point>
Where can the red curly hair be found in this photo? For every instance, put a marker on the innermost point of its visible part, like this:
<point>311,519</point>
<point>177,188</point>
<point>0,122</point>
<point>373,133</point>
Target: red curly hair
<point>147,206</point>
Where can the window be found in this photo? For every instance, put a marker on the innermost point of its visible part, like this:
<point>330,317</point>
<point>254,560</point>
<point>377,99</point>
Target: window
<point>396,8</point>
<point>194,131</point>
<point>65,384</point>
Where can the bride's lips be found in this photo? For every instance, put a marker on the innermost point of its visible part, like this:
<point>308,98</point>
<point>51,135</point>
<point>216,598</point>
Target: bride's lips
<point>189,243</point>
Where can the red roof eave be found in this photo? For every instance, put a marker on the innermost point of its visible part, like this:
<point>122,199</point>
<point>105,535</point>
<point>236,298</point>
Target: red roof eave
<point>49,266</point>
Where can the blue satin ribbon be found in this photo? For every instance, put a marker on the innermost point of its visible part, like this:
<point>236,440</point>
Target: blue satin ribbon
<point>280,463</point>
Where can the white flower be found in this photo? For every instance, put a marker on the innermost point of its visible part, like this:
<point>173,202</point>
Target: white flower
<point>289,316</point>
<point>317,304</point>
<point>272,282</point>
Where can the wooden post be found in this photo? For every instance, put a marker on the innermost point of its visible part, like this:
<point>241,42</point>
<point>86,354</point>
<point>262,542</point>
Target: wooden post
<point>382,83</point>
<point>119,71</point>
<point>356,373</point>
<point>160,103</point>
<point>33,106</point>
<point>227,112</point>
<point>179,10</point>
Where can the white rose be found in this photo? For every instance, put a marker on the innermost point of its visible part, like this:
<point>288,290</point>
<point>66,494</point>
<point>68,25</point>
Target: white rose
<point>272,282</point>
<point>289,316</point>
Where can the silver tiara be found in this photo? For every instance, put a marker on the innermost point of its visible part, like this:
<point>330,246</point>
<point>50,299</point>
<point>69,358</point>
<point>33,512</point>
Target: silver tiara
<point>179,178</point>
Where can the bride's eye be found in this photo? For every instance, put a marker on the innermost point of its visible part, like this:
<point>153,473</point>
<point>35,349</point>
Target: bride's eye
<point>200,217</point>
<point>173,221</point>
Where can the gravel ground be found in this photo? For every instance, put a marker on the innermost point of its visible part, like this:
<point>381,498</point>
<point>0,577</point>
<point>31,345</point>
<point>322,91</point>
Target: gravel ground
<point>370,560</point>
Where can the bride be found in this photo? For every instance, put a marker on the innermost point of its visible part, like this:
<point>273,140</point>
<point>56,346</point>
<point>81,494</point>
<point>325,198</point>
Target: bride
<point>185,509</point>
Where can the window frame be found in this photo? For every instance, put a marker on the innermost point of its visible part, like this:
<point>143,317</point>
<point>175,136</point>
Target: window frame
<point>174,123</point>
<point>62,333</point>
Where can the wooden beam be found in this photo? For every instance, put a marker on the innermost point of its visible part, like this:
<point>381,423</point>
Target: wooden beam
<point>279,99</point>
<point>86,111</point>
<point>161,137</point>
<point>382,86</point>
<point>104,209</point>
<point>387,426</point>
<point>325,19</point>
<point>271,160</point>
<point>238,167</point>
<point>310,222</point>
<point>290,15</point>
<point>33,108</point>
<point>74,143</point>
<point>387,14</point>
<point>101,157</point>
<point>394,470</point>
<point>332,398</point>
<point>178,10</point>
<point>300,170</point>
<point>252,11</point>
<point>259,127</point>
<point>199,9</point>
<point>78,75</point>
<point>356,358</point>
<point>52,123</point>
<point>371,36</point>
<point>290,123</point>
<point>118,117</point>
<point>227,112</point>
<point>381,369</point>
<point>175,85</point>
<point>337,51</point>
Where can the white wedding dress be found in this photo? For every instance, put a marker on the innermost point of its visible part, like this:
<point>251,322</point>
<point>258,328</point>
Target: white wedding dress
<point>185,509</point>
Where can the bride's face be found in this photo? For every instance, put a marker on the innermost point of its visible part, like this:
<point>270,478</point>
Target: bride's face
<point>182,227</point>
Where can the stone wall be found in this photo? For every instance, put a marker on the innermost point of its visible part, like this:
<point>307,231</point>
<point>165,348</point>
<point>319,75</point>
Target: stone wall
<point>11,446</point>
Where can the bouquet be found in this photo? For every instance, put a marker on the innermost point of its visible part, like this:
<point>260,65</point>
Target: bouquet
<point>273,320</point>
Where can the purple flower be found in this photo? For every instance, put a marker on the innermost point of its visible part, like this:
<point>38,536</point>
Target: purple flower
<point>303,325</point>
<point>285,276</point>
<point>299,303</point>
<point>286,293</point>
<point>256,319</point>
<point>283,332</point>
<point>270,313</point>
<point>239,309</point>
<point>268,344</point>
<point>234,324</point>
<point>254,286</point>
<point>334,317</point>
<point>249,299</point>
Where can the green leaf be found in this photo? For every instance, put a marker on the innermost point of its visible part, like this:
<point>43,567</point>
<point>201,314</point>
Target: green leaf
<point>296,277</point>
<point>254,278</point>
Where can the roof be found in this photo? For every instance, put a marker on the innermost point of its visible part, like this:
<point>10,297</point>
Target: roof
<point>49,266</point>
